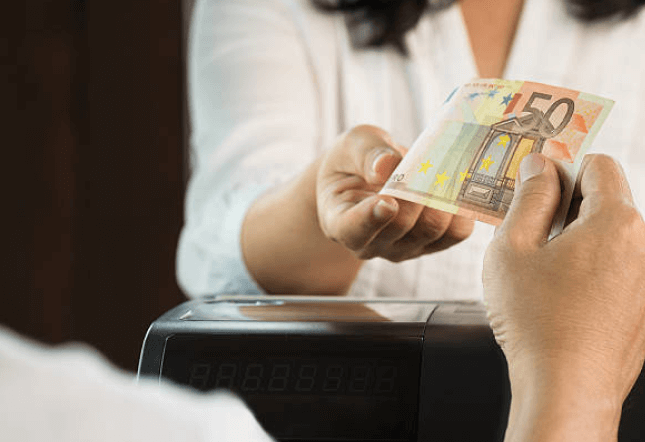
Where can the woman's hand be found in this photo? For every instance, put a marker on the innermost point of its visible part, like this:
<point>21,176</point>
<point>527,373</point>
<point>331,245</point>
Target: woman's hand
<point>569,313</point>
<point>352,213</point>
<point>311,235</point>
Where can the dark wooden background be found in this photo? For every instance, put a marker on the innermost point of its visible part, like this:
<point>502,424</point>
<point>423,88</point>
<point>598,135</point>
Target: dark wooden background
<point>93,169</point>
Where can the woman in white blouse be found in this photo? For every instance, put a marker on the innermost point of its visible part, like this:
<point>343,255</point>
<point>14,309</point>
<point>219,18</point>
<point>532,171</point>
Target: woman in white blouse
<point>275,83</point>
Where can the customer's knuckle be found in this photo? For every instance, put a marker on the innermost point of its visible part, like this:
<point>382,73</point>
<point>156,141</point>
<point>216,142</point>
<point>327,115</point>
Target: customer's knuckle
<point>628,223</point>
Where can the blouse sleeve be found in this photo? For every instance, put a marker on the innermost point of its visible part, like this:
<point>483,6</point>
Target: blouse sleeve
<point>253,104</point>
<point>71,394</point>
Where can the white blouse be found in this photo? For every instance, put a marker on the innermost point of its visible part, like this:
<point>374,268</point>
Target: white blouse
<point>273,82</point>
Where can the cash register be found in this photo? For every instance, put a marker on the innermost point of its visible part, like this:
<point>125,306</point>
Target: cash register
<point>339,369</point>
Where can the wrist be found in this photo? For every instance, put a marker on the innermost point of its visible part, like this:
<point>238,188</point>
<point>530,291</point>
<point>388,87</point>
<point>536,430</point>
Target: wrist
<point>562,401</point>
<point>284,248</point>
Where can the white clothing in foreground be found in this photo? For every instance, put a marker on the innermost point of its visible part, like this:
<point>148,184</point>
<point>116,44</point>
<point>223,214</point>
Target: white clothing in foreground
<point>273,82</point>
<point>71,394</point>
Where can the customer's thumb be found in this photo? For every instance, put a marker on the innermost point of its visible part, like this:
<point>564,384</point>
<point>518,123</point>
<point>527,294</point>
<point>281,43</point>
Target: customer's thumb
<point>535,202</point>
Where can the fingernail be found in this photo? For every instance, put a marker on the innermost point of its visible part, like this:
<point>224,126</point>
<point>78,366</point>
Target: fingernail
<point>531,166</point>
<point>384,210</point>
<point>379,157</point>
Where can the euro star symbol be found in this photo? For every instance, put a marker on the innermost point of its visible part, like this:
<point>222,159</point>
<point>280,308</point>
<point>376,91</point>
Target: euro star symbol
<point>486,163</point>
<point>503,140</point>
<point>463,175</point>
<point>425,166</point>
<point>441,178</point>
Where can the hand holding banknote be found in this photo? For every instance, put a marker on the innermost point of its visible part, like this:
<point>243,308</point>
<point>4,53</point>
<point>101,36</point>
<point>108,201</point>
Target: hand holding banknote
<point>329,218</point>
<point>569,313</point>
<point>352,213</point>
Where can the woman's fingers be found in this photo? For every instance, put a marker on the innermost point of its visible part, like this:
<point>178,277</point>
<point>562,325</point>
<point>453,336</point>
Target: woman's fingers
<point>425,231</point>
<point>381,164</point>
<point>436,230</point>
<point>351,212</point>
<point>372,154</point>
<point>365,151</point>
<point>355,226</point>
<point>459,229</point>
<point>405,220</point>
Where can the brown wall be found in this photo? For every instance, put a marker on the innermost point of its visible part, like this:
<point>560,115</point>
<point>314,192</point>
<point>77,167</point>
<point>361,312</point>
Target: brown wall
<point>93,170</point>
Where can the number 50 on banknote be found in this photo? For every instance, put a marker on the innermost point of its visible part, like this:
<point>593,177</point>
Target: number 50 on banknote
<point>467,160</point>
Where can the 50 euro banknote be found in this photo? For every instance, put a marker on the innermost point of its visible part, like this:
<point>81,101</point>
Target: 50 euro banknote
<point>466,161</point>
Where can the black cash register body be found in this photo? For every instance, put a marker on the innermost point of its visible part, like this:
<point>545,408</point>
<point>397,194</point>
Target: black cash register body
<point>343,369</point>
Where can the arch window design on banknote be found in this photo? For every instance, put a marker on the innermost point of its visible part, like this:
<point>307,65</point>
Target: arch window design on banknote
<point>490,179</point>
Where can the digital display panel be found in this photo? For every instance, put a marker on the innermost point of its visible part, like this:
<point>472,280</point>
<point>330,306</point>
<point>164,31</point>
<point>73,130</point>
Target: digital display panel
<point>308,388</point>
<point>294,376</point>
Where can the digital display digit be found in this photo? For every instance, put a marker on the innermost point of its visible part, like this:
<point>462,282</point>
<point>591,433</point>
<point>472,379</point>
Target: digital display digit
<point>305,388</point>
<point>334,376</point>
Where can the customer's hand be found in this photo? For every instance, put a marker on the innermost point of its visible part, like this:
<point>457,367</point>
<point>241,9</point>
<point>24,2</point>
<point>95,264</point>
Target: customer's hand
<point>352,213</point>
<point>569,313</point>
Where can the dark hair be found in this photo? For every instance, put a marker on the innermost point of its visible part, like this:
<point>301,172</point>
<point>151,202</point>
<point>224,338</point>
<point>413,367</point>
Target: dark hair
<point>376,23</point>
